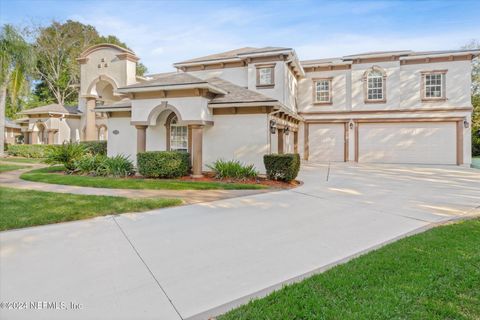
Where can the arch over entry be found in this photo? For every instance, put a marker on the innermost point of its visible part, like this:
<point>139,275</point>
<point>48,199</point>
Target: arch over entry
<point>155,112</point>
<point>92,87</point>
<point>102,132</point>
<point>42,133</point>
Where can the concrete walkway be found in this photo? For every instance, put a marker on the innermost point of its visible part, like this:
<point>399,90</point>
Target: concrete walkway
<point>197,261</point>
<point>12,179</point>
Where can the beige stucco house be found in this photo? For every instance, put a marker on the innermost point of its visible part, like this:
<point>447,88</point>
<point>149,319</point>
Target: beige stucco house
<point>387,107</point>
<point>12,132</point>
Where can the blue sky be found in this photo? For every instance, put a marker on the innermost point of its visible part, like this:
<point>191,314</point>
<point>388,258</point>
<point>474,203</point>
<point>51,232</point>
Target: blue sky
<point>163,32</point>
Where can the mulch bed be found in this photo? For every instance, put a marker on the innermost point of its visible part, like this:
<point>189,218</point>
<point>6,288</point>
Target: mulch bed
<point>209,177</point>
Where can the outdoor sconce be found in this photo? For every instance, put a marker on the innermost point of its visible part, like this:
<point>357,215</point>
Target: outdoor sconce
<point>465,124</point>
<point>287,130</point>
<point>273,126</point>
<point>350,124</point>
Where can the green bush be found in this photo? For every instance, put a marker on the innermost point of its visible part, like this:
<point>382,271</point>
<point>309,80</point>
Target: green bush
<point>118,166</point>
<point>89,164</point>
<point>476,141</point>
<point>67,153</point>
<point>96,147</point>
<point>163,164</point>
<point>282,167</point>
<point>233,169</point>
<point>27,150</point>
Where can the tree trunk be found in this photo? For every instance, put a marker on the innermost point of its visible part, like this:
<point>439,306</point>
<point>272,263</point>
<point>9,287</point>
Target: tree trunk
<point>3,97</point>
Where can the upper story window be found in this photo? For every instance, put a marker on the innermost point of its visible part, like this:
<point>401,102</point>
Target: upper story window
<point>433,85</point>
<point>375,85</point>
<point>265,75</point>
<point>322,91</point>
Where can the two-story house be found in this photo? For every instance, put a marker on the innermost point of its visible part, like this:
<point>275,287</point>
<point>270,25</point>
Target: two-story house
<point>387,107</point>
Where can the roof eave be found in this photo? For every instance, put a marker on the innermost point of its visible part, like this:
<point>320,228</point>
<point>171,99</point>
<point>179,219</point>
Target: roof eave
<point>474,53</point>
<point>154,88</point>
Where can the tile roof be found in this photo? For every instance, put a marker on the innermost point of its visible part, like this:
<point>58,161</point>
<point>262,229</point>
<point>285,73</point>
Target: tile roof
<point>236,94</point>
<point>9,123</point>
<point>232,54</point>
<point>54,108</point>
<point>168,80</point>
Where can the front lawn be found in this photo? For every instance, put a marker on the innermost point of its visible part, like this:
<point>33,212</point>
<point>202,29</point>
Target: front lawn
<point>21,160</point>
<point>433,275</point>
<point>10,167</point>
<point>26,208</point>
<point>54,175</point>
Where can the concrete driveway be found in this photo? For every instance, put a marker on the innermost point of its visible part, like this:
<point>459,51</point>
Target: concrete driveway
<point>200,260</point>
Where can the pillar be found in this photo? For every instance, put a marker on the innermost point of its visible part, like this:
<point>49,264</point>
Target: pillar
<point>90,129</point>
<point>34,137</point>
<point>197,145</point>
<point>51,136</point>
<point>280,136</point>
<point>295,141</point>
<point>26,137</point>
<point>306,149</point>
<point>141,138</point>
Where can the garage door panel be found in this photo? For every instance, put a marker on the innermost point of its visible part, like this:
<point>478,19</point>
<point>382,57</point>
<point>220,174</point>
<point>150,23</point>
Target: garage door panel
<point>326,142</point>
<point>418,142</point>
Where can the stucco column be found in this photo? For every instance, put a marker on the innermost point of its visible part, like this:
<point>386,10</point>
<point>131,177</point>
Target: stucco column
<point>90,129</point>
<point>280,135</point>
<point>34,137</point>
<point>141,138</point>
<point>26,137</point>
<point>197,145</point>
<point>295,141</point>
<point>51,136</point>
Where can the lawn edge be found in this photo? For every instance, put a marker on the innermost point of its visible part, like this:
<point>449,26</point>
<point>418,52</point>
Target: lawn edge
<point>219,310</point>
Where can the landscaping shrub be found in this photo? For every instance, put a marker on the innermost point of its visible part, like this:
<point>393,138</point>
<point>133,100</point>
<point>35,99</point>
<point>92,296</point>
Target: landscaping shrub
<point>27,150</point>
<point>233,169</point>
<point>96,147</point>
<point>89,164</point>
<point>282,167</point>
<point>163,164</point>
<point>68,153</point>
<point>118,166</point>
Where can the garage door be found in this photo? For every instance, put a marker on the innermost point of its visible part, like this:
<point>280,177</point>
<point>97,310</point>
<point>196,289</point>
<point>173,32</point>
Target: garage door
<point>416,142</point>
<point>326,142</point>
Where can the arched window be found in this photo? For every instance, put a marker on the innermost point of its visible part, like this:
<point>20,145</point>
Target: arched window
<point>375,85</point>
<point>42,134</point>
<point>178,137</point>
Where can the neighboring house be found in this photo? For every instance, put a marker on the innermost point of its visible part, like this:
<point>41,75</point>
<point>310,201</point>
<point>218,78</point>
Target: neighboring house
<point>55,124</point>
<point>389,107</point>
<point>13,132</point>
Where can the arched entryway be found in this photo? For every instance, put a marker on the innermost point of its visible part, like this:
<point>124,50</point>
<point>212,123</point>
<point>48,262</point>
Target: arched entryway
<point>102,133</point>
<point>42,134</point>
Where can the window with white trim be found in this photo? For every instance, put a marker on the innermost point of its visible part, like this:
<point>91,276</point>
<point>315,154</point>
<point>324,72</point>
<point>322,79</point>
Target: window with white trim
<point>178,136</point>
<point>265,75</point>
<point>323,91</point>
<point>433,85</point>
<point>375,86</point>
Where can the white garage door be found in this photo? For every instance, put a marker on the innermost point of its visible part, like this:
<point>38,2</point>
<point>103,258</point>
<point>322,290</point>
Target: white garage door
<point>414,142</point>
<point>326,142</point>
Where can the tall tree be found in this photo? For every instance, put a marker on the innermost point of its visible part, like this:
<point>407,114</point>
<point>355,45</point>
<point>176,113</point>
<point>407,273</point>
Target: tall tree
<point>58,46</point>
<point>16,62</point>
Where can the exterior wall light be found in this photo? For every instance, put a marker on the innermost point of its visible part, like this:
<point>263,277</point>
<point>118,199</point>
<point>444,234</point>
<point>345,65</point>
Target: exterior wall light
<point>465,124</point>
<point>273,126</point>
<point>350,124</point>
<point>287,130</point>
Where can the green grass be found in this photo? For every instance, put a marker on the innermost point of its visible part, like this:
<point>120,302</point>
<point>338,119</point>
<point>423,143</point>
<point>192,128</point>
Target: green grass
<point>26,208</point>
<point>433,275</point>
<point>22,160</point>
<point>476,162</point>
<point>10,167</point>
<point>48,175</point>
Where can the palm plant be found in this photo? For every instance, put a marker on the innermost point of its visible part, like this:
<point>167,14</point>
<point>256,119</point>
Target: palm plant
<point>16,62</point>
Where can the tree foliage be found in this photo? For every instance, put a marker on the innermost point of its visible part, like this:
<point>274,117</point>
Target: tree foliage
<point>475,44</point>
<point>16,61</point>
<point>57,47</point>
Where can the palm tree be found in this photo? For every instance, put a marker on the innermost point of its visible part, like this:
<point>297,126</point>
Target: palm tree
<point>16,62</point>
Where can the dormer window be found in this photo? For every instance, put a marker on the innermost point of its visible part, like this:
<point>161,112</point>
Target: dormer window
<point>433,85</point>
<point>322,91</point>
<point>375,85</point>
<point>265,75</point>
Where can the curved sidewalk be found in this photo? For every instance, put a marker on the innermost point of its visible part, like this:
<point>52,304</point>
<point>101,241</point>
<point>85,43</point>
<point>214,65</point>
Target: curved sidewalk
<point>12,179</point>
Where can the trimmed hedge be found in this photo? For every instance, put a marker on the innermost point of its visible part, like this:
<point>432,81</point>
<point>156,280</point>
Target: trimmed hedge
<point>163,164</point>
<point>282,167</point>
<point>27,150</point>
<point>96,147</point>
